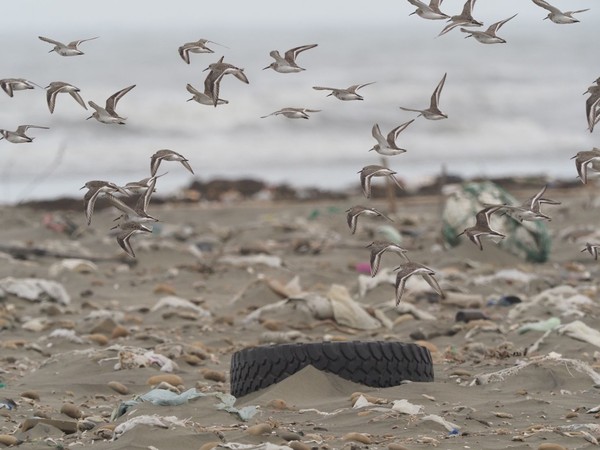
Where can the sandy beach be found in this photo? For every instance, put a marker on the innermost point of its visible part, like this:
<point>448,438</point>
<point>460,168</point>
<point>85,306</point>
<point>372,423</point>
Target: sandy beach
<point>192,297</point>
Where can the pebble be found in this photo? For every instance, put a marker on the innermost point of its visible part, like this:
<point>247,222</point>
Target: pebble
<point>98,338</point>
<point>358,437</point>
<point>8,440</point>
<point>71,410</point>
<point>170,378</point>
<point>213,375</point>
<point>571,415</point>
<point>394,446</point>
<point>279,404</point>
<point>33,395</point>
<point>549,446</point>
<point>192,360</point>
<point>119,388</point>
<point>119,331</point>
<point>428,345</point>
<point>259,429</point>
<point>287,435</point>
<point>210,445</point>
<point>299,445</point>
<point>164,288</point>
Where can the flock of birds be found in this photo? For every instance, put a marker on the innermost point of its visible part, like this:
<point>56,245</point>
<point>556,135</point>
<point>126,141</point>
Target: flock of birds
<point>134,220</point>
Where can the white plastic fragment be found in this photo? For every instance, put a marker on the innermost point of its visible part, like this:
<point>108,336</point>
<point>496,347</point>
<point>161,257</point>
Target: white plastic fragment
<point>69,335</point>
<point>72,265</point>
<point>252,260</point>
<point>35,289</point>
<point>582,332</point>
<point>178,302</point>
<point>151,420</point>
<point>451,427</point>
<point>405,407</point>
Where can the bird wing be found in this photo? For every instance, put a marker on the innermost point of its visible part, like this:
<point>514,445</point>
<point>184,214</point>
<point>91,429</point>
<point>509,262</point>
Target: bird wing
<point>192,90</point>
<point>493,28</point>
<point>544,4</point>
<point>7,87</point>
<point>322,88</point>
<point>77,98</point>
<point>212,85</point>
<point>51,41</point>
<point>435,97</point>
<point>74,44</point>
<point>356,87</point>
<point>123,241</point>
<point>184,52</point>
<point>393,135</point>
<point>111,102</point>
<point>417,3</point>
<point>292,53</point>
<point>376,132</point>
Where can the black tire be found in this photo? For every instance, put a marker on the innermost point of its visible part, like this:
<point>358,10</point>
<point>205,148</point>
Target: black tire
<point>372,363</point>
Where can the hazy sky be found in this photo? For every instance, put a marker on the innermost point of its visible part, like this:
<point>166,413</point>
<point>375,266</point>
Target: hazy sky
<point>45,15</point>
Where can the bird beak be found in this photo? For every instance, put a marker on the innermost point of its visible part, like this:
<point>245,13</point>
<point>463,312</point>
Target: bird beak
<point>89,118</point>
<point>82,187</point>
<point>544,18</point>
<point>268,67</point>
<point>51,51</point>
<point>190,99</point>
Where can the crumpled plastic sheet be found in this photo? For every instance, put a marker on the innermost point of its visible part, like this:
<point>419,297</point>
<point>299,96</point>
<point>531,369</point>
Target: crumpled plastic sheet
<point>34,289</point>
<point>152,420</point>
<point>582,332</point>
<point>178,302</point>
<point>227,404</point>
<point>564,300</point>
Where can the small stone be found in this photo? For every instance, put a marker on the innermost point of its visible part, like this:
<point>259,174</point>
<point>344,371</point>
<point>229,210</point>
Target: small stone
<point>105,326</point>
<point>33,395</point>
<point>213,375</point>
<point>119,331</point>
<point>358,437</point>
<point>119,388</point>
<point>571,415</point>
<point>298,445</point>
<point>8,440</point>
<point>164,288</point>
<point>428,345</point>
<point>192,360</point>
<point>287,435</point>
<point>98,338</point>
<point>71,410</point>
<point>259,429</point>
<point>279,404</point>
<point>170,378</point>
<point>503,415</point>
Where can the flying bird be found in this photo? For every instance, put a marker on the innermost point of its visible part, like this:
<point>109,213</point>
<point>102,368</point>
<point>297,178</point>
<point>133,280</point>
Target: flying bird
<point>387,146</point>
<point>433,112</point>
<point>556,15</point>
<point>409,269</point>
<point>60,87</point>
<point>70,49</point>
<point>488,36</point>
<point>287,64</point>
<point>378,248</point>
<point>430,12</point>
<point>108,114</point>
<point>167,155</point>
<point>198,46</point>
<point>9,85</point>
<point>353,213</point>
<point>18,136</point>
<point>482,226</point>
<point>293,113</point>
<point>373,170</point>
<point>344,94</point>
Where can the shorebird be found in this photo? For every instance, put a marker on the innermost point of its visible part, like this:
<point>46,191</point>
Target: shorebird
<point>287,64</point>
<point>530,209</point>
<point>407,270</point>
<point>128,229</point>
<point>212,83</point>
<point>592,105</point>
<point>139,187</point>
<point>139,213</point>
<point>95,188</point>
<point>344,94</point>
<point>583,160</point>
<point>592,249</point>
<point>198,46</point>
<point>378,248</point>
<point>167,155</point>
<point>464,19</point>
<point>69,49</point>
<point>488,36</point>
<point>373,170</point>
<point>58,87</point>
<point>433,112</point>
<point>556,15</point>
<point>387,146</point>
<point>355,211</point>
<point>18,136</point>
<point>108,113</point>
<point>9,85</point>
<point>431,11</point>
<point>482,225</point>
<point>293,113</point>
<point>204,98</point>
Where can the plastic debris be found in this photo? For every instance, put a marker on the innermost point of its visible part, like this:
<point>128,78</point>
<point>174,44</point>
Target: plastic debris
<point>227,404</point>
<point>542,325</point>
<point>405,407</point>
<point>150,420</point>
<point>172,301</point>
<point>527,239</point>
<point>251,260</point>
<point>135,357</point>
<point>35,289</point>
<point>451,427</point>
<point>582,332</point>
<point>72,265</point>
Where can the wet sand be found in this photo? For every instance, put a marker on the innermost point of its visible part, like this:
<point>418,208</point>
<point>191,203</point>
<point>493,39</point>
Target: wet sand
<point>212,256</point>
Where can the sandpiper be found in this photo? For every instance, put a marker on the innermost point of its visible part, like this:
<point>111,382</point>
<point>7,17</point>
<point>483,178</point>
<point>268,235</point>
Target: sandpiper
<point>387,146</point>
<point>18,136</point>
<point>464,19</point>
<point>139,187</point>
<point>355,211</point>
<point>212,83</point>
<point>378,248</point>
<point>139,213</point>
<point>530,209</point>
<point>431,11</point>
<point>344,94</point>
<point>373,170</point>
<point>592,105</point>
<point>167,155</point>
<point>583,160</point>
<point>128,229</point>
<point>198,46</point>
<point>108,114</point>
<point>293,113</point>
<point>558,16</point>
<point>488,36</point>
<point>433,112</point>
<point>287,64</point>
<point>592,249</point>
<point>9,85</point>
<point>95,188</point>
<point>482,225</point>
<point>204,98</point>
<point>69,49</point>
<point>57,87</point>
<point>407,270</point>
